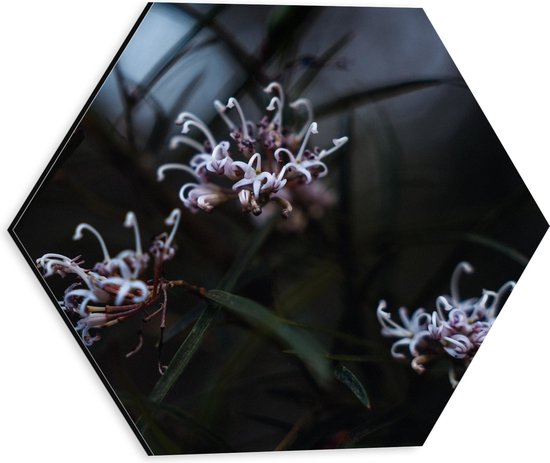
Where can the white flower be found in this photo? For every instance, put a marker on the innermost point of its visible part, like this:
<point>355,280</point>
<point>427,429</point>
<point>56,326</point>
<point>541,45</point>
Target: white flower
<point>113,288</point>
<point>274,158</point>
<point>456,327</point>
<point>204,196</point>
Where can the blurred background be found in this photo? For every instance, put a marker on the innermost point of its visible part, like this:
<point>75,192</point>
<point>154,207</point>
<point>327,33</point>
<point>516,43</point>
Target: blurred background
<point>423,184</point>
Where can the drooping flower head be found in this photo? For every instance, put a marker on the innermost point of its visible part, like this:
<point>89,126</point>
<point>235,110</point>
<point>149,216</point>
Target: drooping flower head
<point>455,328</point>
<point>261,161</point>
<point>114,288</point>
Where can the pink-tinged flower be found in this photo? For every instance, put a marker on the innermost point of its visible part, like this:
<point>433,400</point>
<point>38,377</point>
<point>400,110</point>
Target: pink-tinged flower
<point>204,196</point>
<point>263,162</point>
<point>455,328</point>
<point>114,288</point>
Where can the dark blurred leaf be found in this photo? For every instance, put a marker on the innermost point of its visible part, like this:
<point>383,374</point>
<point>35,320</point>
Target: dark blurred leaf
<point>179,50</point>
<point>184,322</point>
<point>162,123</point>
<point>306,347</point>
<point>191,343</point>
<point>191,424</point>
<point>358,358</point>
<point>348,379</point>
<point>155,437</point>
<point>248,62</point>
<point>497,246</point>
<point>268,420</point>
<point>350,357</point>
<point>245,256</point>
<point>297,428</point>
<point>348,338</point>
<point>311,73</point>
<point>361,432</point>
<point>189,90</point>
<point>443,236</point>
<point>127,105</point>
<point>293,394</point>
<point>184,354</point>
<point>286,24</point>
<point>323,276</point>
<point>346,102</point>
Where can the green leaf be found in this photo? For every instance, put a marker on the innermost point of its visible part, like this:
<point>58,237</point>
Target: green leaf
<point>187,349</point>
<point>358,358</point>
<point>247,253</point>
<point>305,346</point>
<point>184,322</point>
<point>184,354</point>
<point>350,357</point>
<point>498,246</point>
<point>183,417</point>
<point>348,379</point>
<point>324,276</point>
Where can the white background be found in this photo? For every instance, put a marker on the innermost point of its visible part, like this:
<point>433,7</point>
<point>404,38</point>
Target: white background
<point>52,404</point>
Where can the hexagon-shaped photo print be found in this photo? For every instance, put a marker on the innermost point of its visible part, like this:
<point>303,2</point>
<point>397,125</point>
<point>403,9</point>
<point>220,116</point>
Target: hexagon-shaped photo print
<point>280,228</point>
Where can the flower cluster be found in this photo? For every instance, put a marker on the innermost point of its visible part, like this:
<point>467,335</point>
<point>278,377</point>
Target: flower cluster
<point>113,289</point>
<point>260,164</point>
<point>456,328</point>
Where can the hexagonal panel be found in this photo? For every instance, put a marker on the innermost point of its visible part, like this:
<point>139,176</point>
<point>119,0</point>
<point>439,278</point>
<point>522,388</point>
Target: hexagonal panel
<point>238,214</point>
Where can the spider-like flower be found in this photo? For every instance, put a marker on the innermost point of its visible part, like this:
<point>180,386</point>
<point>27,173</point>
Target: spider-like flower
<point>262,162</point>
<point>114,288</point>
<point>455,328</point>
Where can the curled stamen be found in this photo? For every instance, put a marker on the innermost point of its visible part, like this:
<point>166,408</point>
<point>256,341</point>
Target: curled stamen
<point>497,303</point>
<point>286,207</point>
<point>320,168</point>
<point>123,268</point>
<point>131,221</point>
<point>460,345</point>
<point>394,350</point>
<point>233,103</point>
<point>280,93</point>
<point>174,220</point>
<point>52,263</point>
<point>220,161</point>
<point>442,304</point>
<point>418,363</point>
<point>309,109</point>
<point>221,151</point>
<point>138,347</point>
<point>185,197</point>
<point>87,295</point>
<point>177,140</point>
<point>126,288</point>
<point>41,261</point>
<point>78,235</point>
<point>278,100</point>
<point>338,143</point>
<point>452,376</point>
<point>193,120</point>
<point>282,173</point>
<point>257,157</point>
<point>311,129</point>
<point>461,267</point>
<point>277,156</point>
<point>276,104</point>
<point>175,166</point>
<point>220,107</point>
<point>389,327</point>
